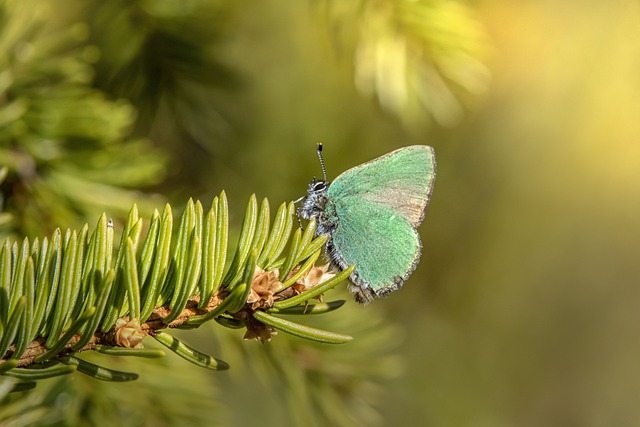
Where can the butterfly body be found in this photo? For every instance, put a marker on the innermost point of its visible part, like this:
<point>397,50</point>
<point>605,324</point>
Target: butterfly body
<point>370,213</point>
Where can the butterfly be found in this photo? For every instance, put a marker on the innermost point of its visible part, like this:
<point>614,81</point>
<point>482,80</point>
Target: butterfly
<point>370,214</point>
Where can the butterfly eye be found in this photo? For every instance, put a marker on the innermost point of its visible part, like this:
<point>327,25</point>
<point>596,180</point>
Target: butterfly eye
<point>319,186</point>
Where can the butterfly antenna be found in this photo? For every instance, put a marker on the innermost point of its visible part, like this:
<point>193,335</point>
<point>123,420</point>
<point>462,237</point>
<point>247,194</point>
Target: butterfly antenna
<point>324,170</point>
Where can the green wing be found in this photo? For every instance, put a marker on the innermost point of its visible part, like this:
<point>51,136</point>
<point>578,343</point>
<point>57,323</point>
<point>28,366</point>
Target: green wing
<point>384,246</point>
<point>401,181</point>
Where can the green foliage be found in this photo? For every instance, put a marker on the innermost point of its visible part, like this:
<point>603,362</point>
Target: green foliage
<point>65,143</point>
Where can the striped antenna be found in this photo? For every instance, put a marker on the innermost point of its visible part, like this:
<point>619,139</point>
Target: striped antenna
<point>324,171</point>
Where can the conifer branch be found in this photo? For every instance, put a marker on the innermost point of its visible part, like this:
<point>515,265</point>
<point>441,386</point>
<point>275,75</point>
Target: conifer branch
<point>68,294</point>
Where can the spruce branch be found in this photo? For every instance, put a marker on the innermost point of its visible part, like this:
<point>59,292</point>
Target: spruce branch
<point>70,293</point>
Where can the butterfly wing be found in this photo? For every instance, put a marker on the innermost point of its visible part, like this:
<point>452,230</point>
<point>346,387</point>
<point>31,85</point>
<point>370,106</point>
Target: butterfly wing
<point>401,181</point>
<point>384,246</point>
<point>378,205</point>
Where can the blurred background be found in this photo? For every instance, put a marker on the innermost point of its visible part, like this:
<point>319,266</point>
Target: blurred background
<point>524,308</point>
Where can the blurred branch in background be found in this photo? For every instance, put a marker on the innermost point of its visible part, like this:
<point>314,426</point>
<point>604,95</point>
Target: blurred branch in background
<point>166,58</point>
<point>166,395</point>
<point>317,385</point>
<point>66,144</point>
<point>416,57</point>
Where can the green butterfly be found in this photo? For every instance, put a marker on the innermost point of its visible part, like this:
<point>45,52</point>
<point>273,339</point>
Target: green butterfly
<point>370,213</point>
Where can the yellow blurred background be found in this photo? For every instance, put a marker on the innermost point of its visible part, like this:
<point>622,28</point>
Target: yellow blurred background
<point>531,279</point>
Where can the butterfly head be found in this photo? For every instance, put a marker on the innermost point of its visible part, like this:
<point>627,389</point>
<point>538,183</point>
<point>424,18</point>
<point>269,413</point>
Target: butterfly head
<point>314,202</point>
